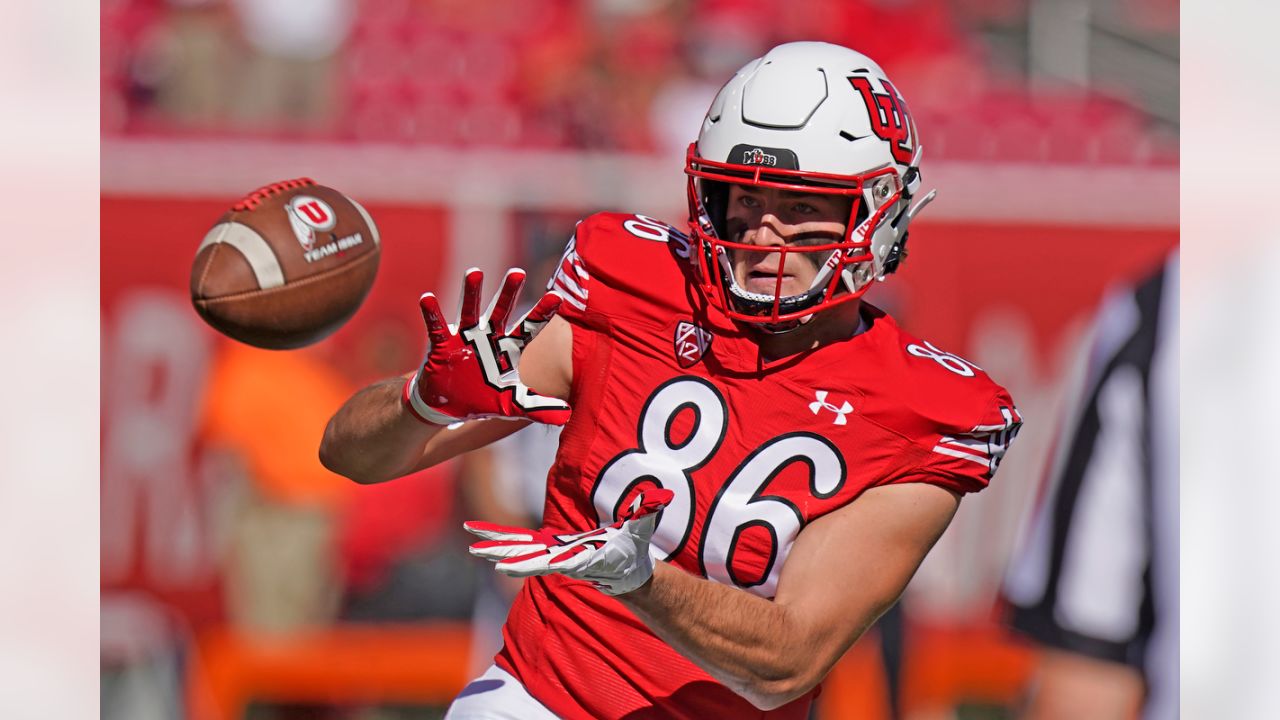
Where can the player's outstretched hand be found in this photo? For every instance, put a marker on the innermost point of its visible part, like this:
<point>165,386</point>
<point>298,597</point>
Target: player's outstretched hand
<point>470,369</point>
<point>615,558</point>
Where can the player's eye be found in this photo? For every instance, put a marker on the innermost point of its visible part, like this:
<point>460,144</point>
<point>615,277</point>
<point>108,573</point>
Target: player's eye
<point>750,201</point>
<point>804,209</point>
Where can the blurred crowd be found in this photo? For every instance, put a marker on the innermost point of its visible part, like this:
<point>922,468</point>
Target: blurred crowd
<point>616,75</point>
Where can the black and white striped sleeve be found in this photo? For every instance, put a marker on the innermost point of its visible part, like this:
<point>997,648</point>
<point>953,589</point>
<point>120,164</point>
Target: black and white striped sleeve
<point>1095,571</point>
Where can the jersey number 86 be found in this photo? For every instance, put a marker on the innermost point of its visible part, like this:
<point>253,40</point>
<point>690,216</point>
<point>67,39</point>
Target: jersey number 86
<point>740,504</point>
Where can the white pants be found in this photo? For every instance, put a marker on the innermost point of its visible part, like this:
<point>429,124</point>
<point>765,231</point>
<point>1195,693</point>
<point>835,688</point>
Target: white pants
<point>496,695</point>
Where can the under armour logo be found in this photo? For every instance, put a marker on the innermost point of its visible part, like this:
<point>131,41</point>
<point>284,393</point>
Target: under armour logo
<point>821,402</point>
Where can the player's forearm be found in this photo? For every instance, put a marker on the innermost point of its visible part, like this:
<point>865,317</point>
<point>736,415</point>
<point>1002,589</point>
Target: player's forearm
<point>753,646</point>
<point>373,438</point>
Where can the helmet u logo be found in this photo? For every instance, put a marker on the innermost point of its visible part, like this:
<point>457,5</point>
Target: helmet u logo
<point>890,119</point>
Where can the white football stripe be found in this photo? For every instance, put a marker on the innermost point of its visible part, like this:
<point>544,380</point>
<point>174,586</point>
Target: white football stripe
<point>377,240</point>
<point>266,268</point>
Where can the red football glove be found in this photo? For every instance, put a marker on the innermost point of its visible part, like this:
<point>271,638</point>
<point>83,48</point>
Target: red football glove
<point>615,558</point>
<point>470,369</point>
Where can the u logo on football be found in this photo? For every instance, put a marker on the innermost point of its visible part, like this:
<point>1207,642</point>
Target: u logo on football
<point>309,215</point>
<point>314,212</point>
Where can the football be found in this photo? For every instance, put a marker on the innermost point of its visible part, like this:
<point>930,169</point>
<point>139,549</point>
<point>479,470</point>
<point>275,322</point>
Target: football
<point>286,266</point>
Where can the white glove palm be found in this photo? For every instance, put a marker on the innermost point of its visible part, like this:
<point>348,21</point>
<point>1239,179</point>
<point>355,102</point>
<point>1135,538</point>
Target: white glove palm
<point>615,558</point>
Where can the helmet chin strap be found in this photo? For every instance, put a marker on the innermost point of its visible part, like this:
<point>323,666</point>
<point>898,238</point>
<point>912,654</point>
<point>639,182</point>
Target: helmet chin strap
<point>783,328</point>
<point>792,326</point>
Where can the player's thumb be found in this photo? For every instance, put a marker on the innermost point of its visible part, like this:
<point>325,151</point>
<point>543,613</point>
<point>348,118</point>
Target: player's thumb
<point>550,410</point>
<point>642,527</point>
<point>649,502</point>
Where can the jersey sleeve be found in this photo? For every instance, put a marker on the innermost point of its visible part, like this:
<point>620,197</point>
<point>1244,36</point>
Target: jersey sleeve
<point>618,268</point>
<point>963,456</point>
<point>572,281</point>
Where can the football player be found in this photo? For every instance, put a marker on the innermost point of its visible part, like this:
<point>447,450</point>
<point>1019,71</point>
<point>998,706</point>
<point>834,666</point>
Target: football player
<point>756,461</point>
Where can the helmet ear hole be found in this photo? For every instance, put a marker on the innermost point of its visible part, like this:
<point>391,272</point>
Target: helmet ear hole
<point>897,253</point>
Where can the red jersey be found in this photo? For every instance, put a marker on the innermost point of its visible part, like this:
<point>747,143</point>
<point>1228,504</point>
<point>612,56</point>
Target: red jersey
<point>668,391</point>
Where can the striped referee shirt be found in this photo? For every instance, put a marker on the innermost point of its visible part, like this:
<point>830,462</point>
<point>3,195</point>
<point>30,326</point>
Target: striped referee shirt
<point>1096,570</point>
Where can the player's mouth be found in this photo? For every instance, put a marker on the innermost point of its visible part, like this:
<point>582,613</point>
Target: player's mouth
<point>765,281</point>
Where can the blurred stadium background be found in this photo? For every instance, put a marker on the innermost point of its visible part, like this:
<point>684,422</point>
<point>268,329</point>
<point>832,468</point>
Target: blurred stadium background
<point>240,579</point>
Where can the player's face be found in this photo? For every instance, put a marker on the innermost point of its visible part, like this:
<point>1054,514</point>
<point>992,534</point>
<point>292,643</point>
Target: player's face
<point>772,218</point>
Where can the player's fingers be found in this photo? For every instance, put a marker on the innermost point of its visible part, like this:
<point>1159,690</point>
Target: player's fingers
<point>493,531</point>
<point>500,308</point>
<point>578,537</point>
<point>437,326</point>
<point>501,549</point>
<point>648,502</point>
<point>472,284</point>
<point>525,566</point>
<point>655,499</point>
<point>543,310</point>
<point>642,526</point>
<point>573,559</point>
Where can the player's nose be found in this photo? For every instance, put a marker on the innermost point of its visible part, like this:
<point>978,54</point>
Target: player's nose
<point>769,233</point>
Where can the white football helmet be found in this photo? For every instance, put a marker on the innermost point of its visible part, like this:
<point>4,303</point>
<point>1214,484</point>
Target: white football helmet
<point>807,117</point>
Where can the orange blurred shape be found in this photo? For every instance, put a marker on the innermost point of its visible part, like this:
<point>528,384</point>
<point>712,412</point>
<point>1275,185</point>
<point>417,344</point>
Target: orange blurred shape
<point>271,407</point>
<point>856,686</point>
<point>412,664</point>
<point>948,665</point>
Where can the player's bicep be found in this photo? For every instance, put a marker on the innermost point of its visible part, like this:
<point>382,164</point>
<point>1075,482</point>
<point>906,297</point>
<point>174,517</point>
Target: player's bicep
<point>546,363</point>
<point>849,566</point>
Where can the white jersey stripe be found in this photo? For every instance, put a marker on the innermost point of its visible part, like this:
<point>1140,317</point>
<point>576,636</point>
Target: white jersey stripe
<point>571,278</point>
<point>567,282</point>
<point>574,301</point>
<point>978,446</point>
<point>962,455</point>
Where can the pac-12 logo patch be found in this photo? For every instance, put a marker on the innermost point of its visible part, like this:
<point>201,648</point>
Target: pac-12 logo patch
<point>309,215</point>
<point>691,343</point>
